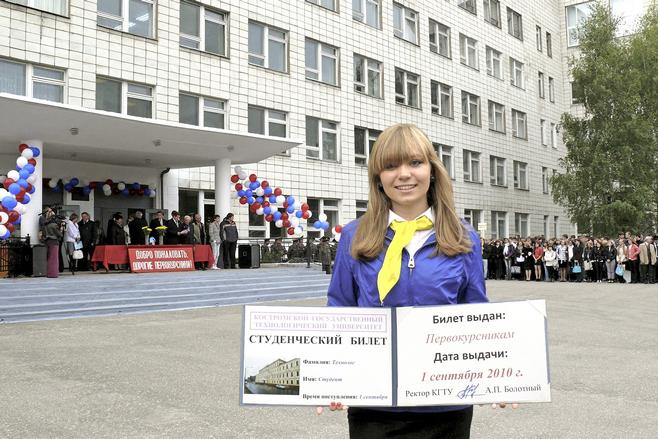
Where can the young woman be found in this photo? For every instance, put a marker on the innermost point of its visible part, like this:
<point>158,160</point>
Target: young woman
<point>538,256</point>
<point>609,256</point>
<point>550,258</point>
<point>621,258</point>
<point>71,237</point>
<point>409,248</point>
<point>588,265</point>
<point>563,260</point>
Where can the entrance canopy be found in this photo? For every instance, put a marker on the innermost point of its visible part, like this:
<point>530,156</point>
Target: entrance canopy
<point>89,135</point>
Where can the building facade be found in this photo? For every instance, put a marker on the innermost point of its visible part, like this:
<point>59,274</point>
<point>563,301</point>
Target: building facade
<point>280,372</point>
<point>487,80</point>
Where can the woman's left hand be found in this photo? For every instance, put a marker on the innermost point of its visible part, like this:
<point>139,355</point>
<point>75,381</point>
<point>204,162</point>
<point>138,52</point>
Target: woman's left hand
<point>502,405</point>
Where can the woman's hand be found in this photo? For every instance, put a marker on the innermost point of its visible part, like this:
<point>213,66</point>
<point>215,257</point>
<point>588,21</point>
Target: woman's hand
<point>502,405</point>
<point>333,406</point>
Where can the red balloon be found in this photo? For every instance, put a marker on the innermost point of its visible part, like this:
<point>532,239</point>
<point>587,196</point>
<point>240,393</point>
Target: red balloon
<point>277,192</point>
<point>141,192</point>
<point>20,197</point>
<point>285,204</point>
<point>291,231</point>
<point>253,178</point>
<point>235,178</point>
<point>33,162</point>
<point>339,229</point>
<point>269,218</point>
<point>92,185</point>
<point>256,205</point>
<point>306,215</point>
<point>284,216</point>
<point>13,216</point>
<point>264,184</point>
<point>115,191</point>
<point>266,203</point>
<point>243,200</point>
<point>238,187</point>
<point>286,223</point>
<point>28,188</point>
<point>10,227</point>
<point>252,209</point>
<point>109,181</point>
<point>305,207</point>
<point>22,147</point>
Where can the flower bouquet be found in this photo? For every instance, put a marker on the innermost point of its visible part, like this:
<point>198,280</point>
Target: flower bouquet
<point>161,231</point>
<point>147,231</point>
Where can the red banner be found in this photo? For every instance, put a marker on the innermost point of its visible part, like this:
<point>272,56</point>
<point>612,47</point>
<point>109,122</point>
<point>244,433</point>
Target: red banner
<point>160,258</point>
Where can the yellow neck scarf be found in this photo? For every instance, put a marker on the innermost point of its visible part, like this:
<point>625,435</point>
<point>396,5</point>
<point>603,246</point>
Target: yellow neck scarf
<point>390,272</point>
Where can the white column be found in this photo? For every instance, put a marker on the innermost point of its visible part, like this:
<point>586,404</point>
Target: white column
<point>30,219</point>
<point>200,208</point>
<point>170,192</point>
<point>222,187</point>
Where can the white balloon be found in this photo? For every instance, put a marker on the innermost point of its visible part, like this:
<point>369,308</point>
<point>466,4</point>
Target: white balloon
<point>298,230</point>
<point>297,205</point>
<point>294,222</point>
<point>3,230</point>
<point>243,175</point>
<point>2,178</point>
<point>3,193</point>
<point>3,219</point>
<point>20,208</point>
<point>337,236</point>
<point>31,179</point>
<point>234,195</point>
<point>21,161</point>
<point>259,211</point>
<point>52,183</point>
<point>121,185</point>
<point>278,223</point>
<point>237,169</point>
<point>322,217</point>
<point>310,214</point>
<point>280,199</point>
<point>260,191</point>
<point>13,175</point>
<point>27,153</point>
<point>152,194</point>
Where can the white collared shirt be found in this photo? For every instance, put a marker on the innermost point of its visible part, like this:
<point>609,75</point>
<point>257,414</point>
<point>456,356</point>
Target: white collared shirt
<point>420,236</point>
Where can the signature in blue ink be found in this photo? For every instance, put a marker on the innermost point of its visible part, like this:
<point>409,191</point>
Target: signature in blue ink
<point>468,392</point>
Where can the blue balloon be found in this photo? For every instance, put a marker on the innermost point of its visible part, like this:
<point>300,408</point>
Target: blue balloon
<point>325,225</point>
<point>86,190</point>
<point>259,199</point>
<point>291,200</point>
<point>26,199</point>
<point>6,235</point>
<point>125,192</point>
<point>68,187</point>
<point>290,209</point>
<point>35,151</point>
<point>268,191</point>
<point>14,189</point>
<point>32,190</point>
<point>57,189</point>
<point>253,185</point>
<point>276,215</point>
<point>23,174</point>
<point>9,202</point>
<point>272,199</point>
<point>136,186</point>
<point>267,210</point>
<point>299,214</point>
<point>147,192</point>
<point>241,193</point>
<point>23,183</point>
<point>74,182</point>
<point>317,224</point>
<point>29,168</point>
<point>248,193</point>
<point>250,200</point>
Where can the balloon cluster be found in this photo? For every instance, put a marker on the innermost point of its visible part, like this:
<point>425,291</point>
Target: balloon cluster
<point>108,187</point>
<point>17,186</point>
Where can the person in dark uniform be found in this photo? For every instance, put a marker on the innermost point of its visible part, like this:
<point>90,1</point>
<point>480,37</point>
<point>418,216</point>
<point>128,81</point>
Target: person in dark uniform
<point>88,236</point>
<point>174,230</point>
<point>135,228</point>
<point>158,221</point>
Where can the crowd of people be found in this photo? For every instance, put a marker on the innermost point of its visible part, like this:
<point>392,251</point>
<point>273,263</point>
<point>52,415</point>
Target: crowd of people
<point>627,259</point>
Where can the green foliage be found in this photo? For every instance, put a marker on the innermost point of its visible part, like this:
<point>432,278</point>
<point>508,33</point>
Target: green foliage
<point>611,165</point>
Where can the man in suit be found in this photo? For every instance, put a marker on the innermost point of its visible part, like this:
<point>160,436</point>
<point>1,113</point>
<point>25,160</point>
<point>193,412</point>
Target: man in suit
<point>175,230</point>
<point>648,257</point>
<point>88,236</point>
<point>156,222</point>
<point>135,228</point>
<point>115,234</point>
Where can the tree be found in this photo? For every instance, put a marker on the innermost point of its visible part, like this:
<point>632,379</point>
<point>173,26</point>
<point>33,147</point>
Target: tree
<point>611,168</point>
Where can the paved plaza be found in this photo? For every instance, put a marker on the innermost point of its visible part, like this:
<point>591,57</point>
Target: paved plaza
<point>176,374</point>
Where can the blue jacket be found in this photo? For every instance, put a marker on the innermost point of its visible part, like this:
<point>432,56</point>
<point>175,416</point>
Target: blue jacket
<point>433,280</point>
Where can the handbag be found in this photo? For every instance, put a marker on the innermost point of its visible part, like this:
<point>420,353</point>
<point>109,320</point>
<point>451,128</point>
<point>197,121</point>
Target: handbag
<point>77,254</point>
<point>619,271</point>
<point>515,269</point>
<point>588,266</point>
<point>77,245</point>
<point>576,268</point>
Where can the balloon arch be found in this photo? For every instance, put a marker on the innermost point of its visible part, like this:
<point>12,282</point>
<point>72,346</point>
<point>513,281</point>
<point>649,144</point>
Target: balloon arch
<point>17,186</point>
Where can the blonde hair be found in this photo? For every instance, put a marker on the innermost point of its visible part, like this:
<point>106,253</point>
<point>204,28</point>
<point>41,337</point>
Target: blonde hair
<point>397,144</point>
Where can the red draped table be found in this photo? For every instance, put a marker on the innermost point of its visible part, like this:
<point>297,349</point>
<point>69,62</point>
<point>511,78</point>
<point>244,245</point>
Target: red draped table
<point>118,254</point>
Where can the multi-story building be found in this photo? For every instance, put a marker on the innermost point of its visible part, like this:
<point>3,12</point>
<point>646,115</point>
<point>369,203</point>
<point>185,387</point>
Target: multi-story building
<point>144,85</point>
<point>280,372</point>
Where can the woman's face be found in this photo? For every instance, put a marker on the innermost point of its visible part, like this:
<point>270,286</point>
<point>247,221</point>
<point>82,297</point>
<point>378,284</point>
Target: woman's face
<point>406,184</point>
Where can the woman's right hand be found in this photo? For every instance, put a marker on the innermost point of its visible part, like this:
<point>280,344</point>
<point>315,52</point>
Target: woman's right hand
<point>333,406</point>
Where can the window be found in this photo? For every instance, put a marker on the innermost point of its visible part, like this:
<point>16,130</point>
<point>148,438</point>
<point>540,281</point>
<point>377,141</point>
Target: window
<point>364,140</point>
<point>497,171</point>
<point>514,24</point>
<point>544,180</point>
<point>520,175</point>
<point>133,16</point>
<point>405,23</point>
<point>361,208</point>
<point>468,5</point>
<point>440,39</point>
<point>202,111</point>
<point>470,108</point>
<point>256,225</point>
<point>554,135</point>
<point>330,208</point>
<point>516,73</point>
<point>545,226</point>
<point>555,226</point>
<point>551,89</point>
<point>445,155</point>
<point>540,85</point>
<point>544,135</point>
<point>472,216</point>
<point>268,47</point>
<point>203,28</point>
<point>441,99</point>
<point>496,117</point>
<point>407,88</point>
<point>321,139</point>
<point>539,39</point>
<point>267,122</point>
<point>368,76</point>
<point>472,166</point>
<point>59,7</point>
<point>329,4</point>
<point>366,11</point>
<point>576,15</point>
<point>519,124</point>
<point>498,225</point>
<point>321,62</point>
<point>577,93</point>
<point>492,12</point>
<point>124,97</point>
<point>549,45</point>
<point>494,63</point>
<point>521,224</point>
<point>468,51</point>
<point>32,81</point>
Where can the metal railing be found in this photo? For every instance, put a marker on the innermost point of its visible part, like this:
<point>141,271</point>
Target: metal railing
<point>15,257</point>
<point>290,250</point>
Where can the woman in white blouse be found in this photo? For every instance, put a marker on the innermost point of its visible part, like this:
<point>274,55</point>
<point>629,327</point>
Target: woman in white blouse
<point>71,236</point>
